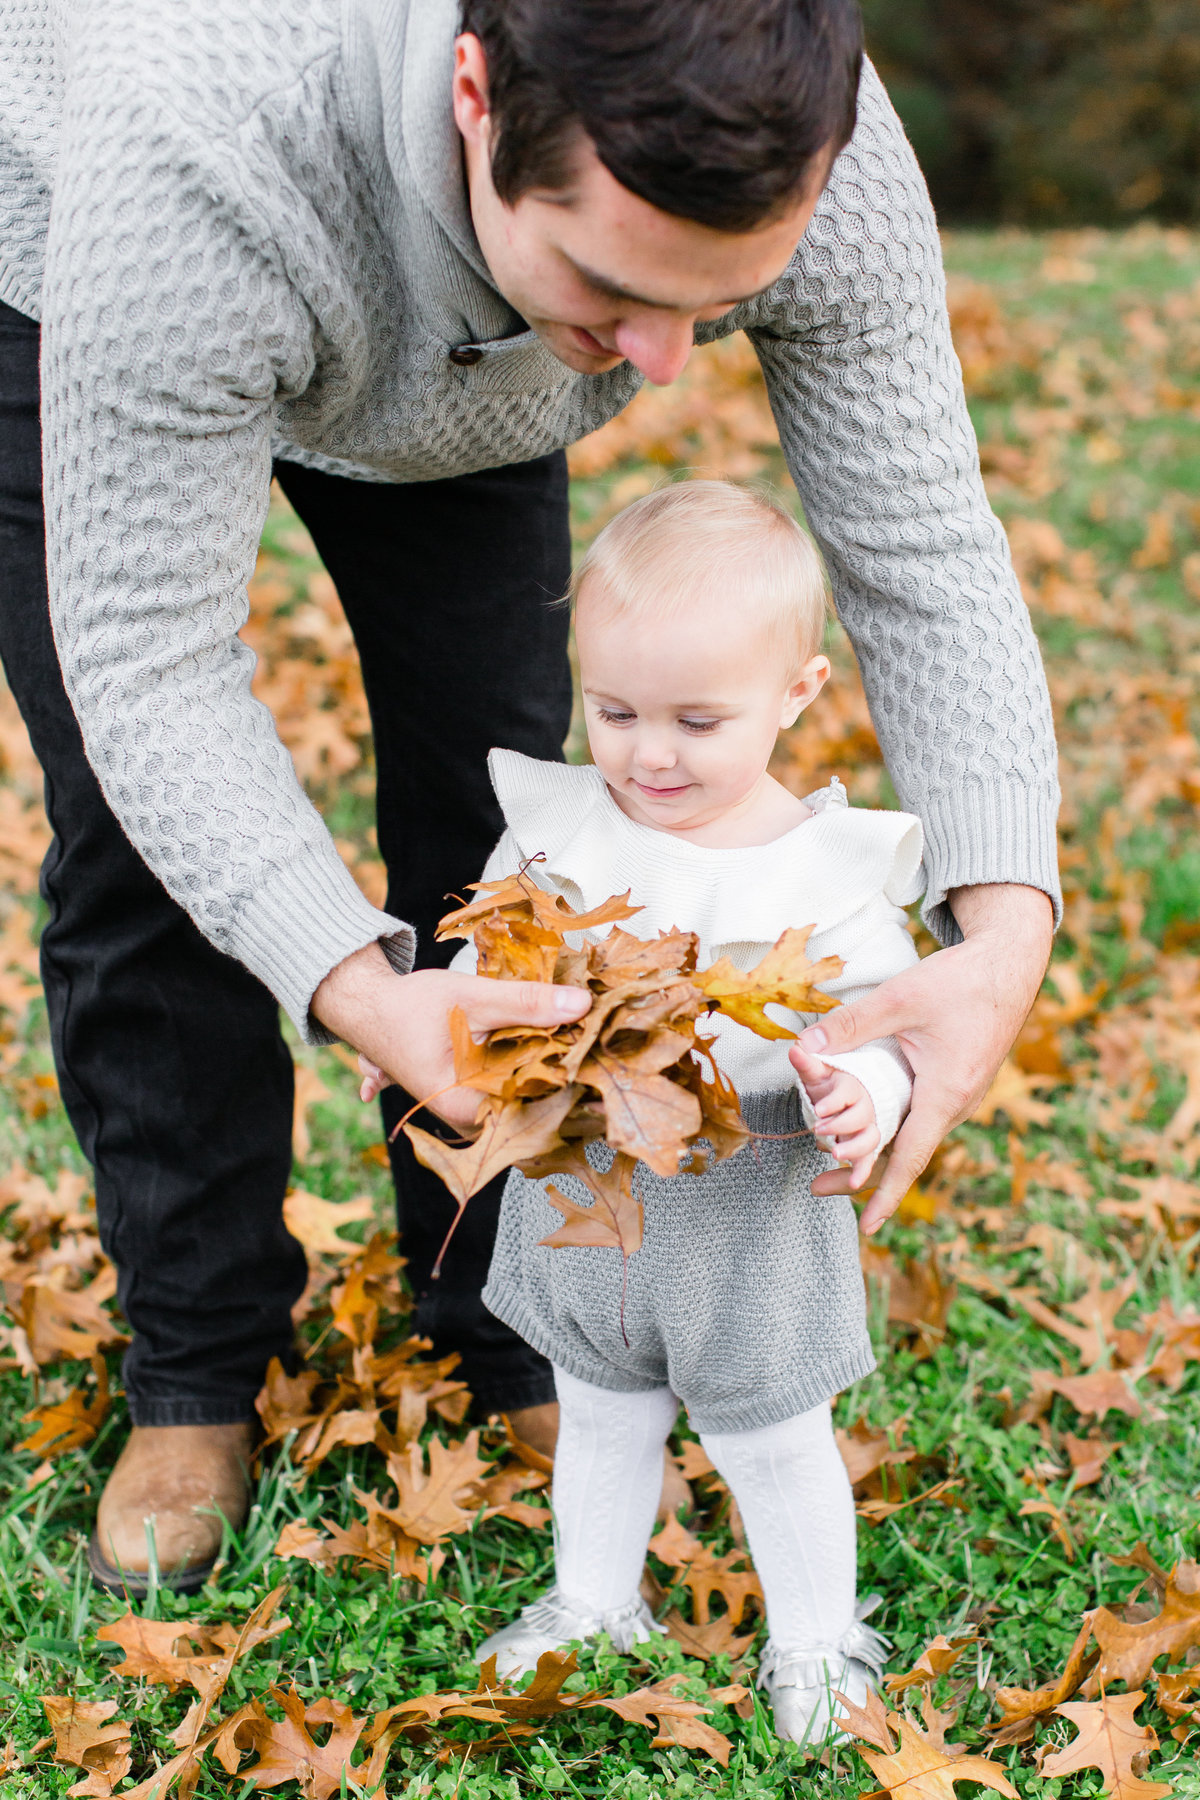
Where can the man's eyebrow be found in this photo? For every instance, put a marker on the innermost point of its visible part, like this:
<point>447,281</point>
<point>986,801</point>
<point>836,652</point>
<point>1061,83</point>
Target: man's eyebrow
<point>616,290</point>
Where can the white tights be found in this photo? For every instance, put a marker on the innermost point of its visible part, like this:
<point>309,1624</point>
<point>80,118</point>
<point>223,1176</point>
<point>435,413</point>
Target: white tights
<point>788,1479</point>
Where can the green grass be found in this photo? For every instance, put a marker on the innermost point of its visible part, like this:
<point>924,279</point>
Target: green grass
<point>371,1642</point>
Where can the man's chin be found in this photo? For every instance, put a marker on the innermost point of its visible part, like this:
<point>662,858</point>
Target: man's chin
<point>559,340</point>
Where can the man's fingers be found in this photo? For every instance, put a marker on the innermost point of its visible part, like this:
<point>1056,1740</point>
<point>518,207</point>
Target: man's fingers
<point>915,1143</point>
<point>841,1181</point>
<point>494,1003</point>
<point>846,1027</point>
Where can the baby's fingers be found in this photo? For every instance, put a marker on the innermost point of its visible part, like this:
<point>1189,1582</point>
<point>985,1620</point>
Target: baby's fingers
<point>816,1075</point>
<point>374,1079</point>
<point>846,1122</point>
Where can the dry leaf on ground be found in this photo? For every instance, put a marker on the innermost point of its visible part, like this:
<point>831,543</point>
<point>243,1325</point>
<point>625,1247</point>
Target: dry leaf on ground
<point>86,1736</point>
<point>1128,1651</point>
<point>673,1721</point>
<point>938,1657</point>
<point>287,1750</point>
<point>918,1770</point>
<point>1110,1740</point>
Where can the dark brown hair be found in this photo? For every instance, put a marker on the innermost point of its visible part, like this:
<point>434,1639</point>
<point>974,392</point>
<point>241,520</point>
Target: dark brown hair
<point>713,110</point>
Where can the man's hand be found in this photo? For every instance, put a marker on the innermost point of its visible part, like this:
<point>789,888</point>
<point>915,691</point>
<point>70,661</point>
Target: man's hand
<point>955,1015</point>
<point>401,1022</point>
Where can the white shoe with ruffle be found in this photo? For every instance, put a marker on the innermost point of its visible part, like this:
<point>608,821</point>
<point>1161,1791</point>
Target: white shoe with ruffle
<point>555,1620</point>
<point>801,1683</point>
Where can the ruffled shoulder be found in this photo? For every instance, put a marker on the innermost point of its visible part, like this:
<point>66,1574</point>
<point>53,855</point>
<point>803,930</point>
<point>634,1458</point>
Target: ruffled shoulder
<point>544,803</point>
<point>880,849</point>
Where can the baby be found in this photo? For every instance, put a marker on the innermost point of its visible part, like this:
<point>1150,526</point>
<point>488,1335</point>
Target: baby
<point>699,618</point>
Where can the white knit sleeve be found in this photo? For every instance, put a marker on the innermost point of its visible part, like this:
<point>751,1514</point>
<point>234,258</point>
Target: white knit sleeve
<point>170,336</point>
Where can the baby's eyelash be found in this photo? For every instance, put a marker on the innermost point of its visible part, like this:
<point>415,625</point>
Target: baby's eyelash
<point>614,718</point>
<point>699,726</point>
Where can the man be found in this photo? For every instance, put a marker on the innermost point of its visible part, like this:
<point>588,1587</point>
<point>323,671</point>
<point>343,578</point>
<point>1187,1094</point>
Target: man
<point>412,256</point>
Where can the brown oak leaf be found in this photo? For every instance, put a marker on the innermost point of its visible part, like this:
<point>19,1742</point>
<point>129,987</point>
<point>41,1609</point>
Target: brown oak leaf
<point>672,1720</point>
<point>918,1770</point>
<point>1023,1709</point>
<point>287,1750</point>
<point>1111,1740</point>
<point>1128,1651</point>
<point>86,1736</point>
<point>938,1657</point>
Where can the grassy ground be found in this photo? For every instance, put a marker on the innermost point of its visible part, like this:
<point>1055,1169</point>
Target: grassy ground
<point>1083,361</point>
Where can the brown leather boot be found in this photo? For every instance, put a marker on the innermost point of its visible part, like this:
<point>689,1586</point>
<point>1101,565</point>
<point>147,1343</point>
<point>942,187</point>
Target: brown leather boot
<point>177,1483</point>
<point>536,1428</point>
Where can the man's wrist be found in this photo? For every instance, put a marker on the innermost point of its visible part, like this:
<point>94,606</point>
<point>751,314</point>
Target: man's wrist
<point>349,1002</point>
<point>1007,908</point>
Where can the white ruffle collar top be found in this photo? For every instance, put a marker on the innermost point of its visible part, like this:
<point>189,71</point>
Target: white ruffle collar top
<point>819,873</point>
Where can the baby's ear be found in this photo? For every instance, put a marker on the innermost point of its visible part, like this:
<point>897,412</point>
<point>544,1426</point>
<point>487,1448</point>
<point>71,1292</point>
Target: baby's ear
<point>803,690</point>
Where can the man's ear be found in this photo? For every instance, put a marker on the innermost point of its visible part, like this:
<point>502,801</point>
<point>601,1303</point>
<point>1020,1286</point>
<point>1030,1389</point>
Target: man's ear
<point>469,88</point>
<point>804,689</point>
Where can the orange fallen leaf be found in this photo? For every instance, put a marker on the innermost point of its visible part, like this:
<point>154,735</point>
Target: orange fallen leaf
<point>672,1720</point>
<point>938,1657</point>
<point>287,1750</point>
<point>69,1423</point>
<point>1023,1708</point>
<point>919,1770</point>
<point>716,1637</point>
<point>316,1223</point>
<point>1110,1740</point>
<point>86,1736</point>
<point>1128,1652</point>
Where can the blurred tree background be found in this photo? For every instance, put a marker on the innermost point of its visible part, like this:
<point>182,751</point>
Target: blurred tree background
<point>1048,112</point>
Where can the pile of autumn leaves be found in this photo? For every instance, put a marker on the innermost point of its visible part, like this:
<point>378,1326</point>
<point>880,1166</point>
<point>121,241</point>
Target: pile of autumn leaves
<point>629,1072</point>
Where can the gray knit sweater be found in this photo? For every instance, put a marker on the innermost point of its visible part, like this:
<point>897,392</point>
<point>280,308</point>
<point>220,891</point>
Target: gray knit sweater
<point>244,227</point>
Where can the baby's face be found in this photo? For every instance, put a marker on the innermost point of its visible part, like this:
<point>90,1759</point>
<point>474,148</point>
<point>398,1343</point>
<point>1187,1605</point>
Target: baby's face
<point>683,712</point>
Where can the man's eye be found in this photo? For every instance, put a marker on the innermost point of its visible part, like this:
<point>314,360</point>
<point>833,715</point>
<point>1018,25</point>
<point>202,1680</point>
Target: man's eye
<point>615,718</point>
<point>698,726</point>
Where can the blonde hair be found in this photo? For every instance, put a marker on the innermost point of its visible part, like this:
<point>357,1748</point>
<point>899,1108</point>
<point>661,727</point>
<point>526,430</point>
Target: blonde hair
<point>701,537</point>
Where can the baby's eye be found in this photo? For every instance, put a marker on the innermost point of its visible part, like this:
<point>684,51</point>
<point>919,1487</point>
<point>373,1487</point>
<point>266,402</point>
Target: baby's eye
<point>698,726</point>
<point>612,717</point>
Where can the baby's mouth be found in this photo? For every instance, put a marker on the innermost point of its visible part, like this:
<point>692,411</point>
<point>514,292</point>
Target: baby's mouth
<point>661,793</point>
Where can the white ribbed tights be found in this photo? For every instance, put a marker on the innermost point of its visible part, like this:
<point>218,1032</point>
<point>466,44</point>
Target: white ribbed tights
<point>788,1479</point>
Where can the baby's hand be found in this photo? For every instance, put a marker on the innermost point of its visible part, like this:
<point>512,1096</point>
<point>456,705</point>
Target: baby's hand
<point>845,1114</point>
<point>374,1079</point>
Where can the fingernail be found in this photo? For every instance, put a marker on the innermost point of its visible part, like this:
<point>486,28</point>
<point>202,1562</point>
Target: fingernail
<point>814,1038</point>
<point>566,1003</point>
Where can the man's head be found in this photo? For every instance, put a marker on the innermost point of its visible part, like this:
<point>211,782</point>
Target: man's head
<point>637,165</point>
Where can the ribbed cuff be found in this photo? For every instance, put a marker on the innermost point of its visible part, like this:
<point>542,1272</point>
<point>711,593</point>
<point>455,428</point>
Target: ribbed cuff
<point>988,832</point>
<point>308,918</point>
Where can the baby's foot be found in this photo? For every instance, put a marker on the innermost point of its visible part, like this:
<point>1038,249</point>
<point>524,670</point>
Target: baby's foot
<point>802,1683</point>
<point>554,1621</point>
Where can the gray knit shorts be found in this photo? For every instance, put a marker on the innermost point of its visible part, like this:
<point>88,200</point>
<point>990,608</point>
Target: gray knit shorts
<point>746,1297</point>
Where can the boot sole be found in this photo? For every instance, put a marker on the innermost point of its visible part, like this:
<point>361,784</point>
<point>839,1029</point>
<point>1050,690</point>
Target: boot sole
<point>135,1583</point>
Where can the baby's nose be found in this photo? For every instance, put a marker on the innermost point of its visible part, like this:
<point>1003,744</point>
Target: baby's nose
<point>654,755</point>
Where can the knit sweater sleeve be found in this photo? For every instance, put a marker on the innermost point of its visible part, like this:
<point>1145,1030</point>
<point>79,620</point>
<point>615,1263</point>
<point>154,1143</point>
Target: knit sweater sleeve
<point>867,394</point>
<point>170,336</point>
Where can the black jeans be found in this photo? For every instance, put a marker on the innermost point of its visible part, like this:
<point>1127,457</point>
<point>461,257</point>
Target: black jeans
<point>169,1056</point>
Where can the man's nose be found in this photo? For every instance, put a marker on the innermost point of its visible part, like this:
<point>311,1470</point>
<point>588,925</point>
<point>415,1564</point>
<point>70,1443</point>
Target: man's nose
<point>658,344</point>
